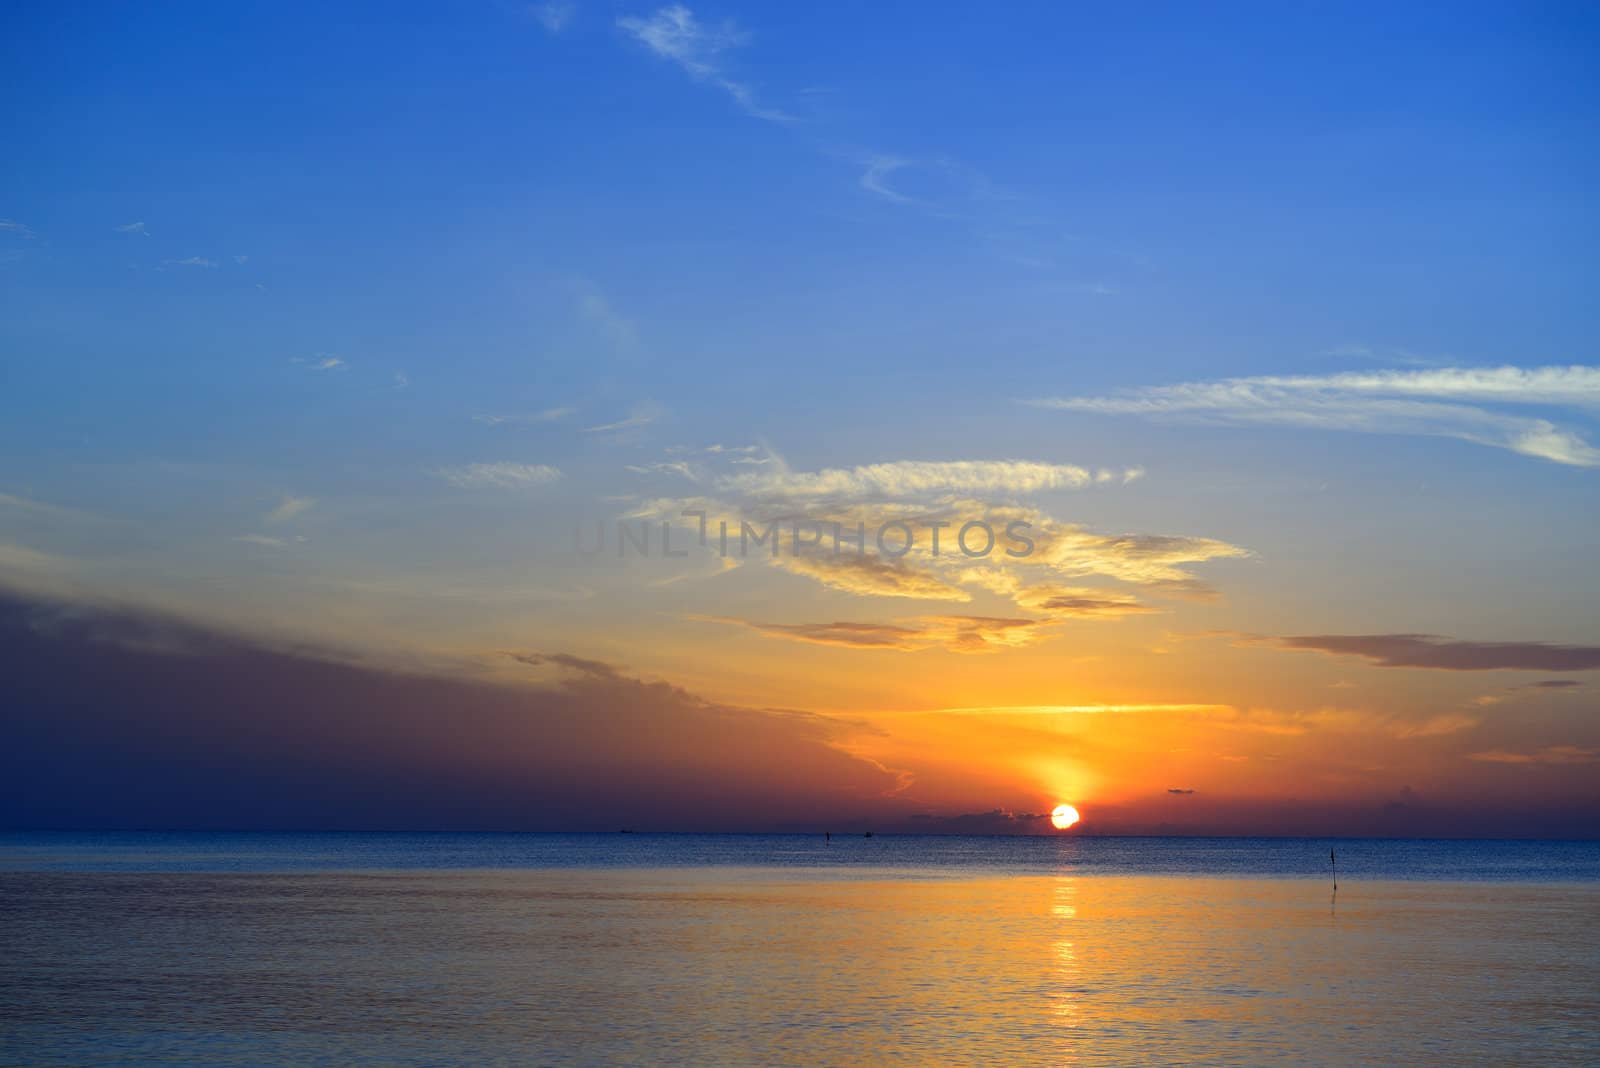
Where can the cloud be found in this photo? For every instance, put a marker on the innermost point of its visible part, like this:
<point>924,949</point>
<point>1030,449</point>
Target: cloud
<point>1048,549</point>
<point>120,719</point>
<point>949,190</point>
<point>401,380</point>
<point>873,576</point>
<point>321,362</point>
<point>192,261</point>
<point>935,501</point>
<point>1550,754</point>
<point>1439,402</point>
<point>503,475</point>
<point>959,634</point>
<point>1446,654</point>
<point>596,310</point>
<point>28,504</point>
<point>629,423</point>
<point>548,415</point>
<point>554,16</point>
<point>1086,710</point>
<point>909,478</point>
<point>1177,790</point>
<point>1433,727</point>
<point>133,228</point>
<point>263,540</point>
<point>1155,560</point>
<point>20,558</point>
<point>874,179</point>
<point>290,507</point>
<point>11,226</point>
<point>664,467</point>
<point>1077,602</point>
<point>673,33</point>
<point>1554,684</point>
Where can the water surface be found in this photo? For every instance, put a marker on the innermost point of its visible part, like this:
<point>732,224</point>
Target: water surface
<point>225,950</point>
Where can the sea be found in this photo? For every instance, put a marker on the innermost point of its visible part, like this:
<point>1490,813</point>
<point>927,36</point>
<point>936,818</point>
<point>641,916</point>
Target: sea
<point>702,950</point>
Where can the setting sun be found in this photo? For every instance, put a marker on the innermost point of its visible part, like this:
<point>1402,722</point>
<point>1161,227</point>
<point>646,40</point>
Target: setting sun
<point>1063,816</point>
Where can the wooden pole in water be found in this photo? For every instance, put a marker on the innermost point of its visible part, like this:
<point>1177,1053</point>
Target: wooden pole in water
<point>1334,862</point>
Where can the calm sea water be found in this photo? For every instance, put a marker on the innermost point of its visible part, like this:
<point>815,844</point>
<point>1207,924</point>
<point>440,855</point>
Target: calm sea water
<point>1450,860</point>
<point>750,950</point>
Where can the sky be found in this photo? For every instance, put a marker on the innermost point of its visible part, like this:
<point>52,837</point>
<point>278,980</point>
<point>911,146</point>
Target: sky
<point>353,364</point>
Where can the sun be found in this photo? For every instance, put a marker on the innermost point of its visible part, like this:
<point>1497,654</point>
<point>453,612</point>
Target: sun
<point>1063,816</point>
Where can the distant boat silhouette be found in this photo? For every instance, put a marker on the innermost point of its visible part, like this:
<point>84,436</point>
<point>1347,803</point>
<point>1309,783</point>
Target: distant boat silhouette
<point>867,835</point>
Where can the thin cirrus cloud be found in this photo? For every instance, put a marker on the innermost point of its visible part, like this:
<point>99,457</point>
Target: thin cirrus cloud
<point>959,634</point>
<point>503,475</point>
<point>1078,603</point>
<point>289,507</point>
<point>1550,754</point>
<point>631,423</point>
<point>548,415</point>
<point>1445,654</point>
<point>554,16</point>
<point>1468,404</point>
<point>909,478</point>
<point>674,34</point>
<point>875,178</point>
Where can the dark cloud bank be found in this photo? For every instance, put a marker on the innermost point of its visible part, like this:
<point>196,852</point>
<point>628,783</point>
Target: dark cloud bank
<point>118,720</point>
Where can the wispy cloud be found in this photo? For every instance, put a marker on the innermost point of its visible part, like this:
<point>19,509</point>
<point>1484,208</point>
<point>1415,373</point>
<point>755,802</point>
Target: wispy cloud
<point>909,478</point>
<point>673,33</point>
<point>28,504</point>
<point>960,634</point>
<point>290,507</point>
<point>11,226</point>
<point>875,178</point>
<point>192,261</point>
<point>1037,561</point>
<point>133,228</point>
<point>1447,654</point>
<point>503,475</point>
<point>874,576</point>
<point>1550,754</point>
<point>548,415</point>
<point>264,540</point>
<point>665,467</point>
<point>320,362</point>
<point>595,310</point>
<point>1076,602</point>
<point>630,423</point>
<point>554,16</point>
<point>1462,403</point>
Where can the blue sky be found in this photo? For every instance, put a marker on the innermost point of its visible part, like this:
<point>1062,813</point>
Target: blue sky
<point>335,320</point>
